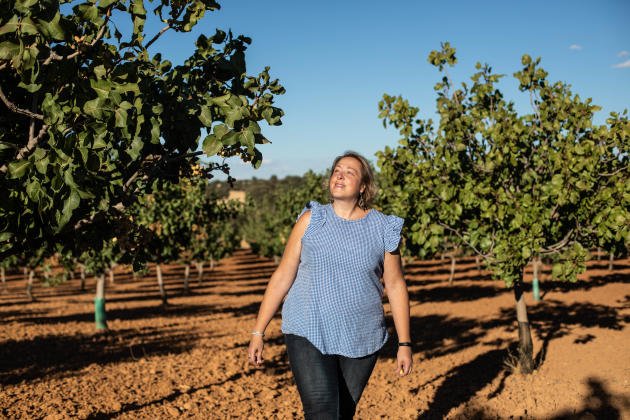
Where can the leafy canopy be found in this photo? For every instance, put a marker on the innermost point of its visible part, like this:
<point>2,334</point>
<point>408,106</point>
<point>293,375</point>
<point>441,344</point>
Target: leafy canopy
<point>93,119</point>
<point>508,186</point>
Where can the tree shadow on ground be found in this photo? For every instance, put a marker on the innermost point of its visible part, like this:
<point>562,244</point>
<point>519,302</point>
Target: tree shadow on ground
<point>440,335</point>
<point>598,404</point>
<point>555,319</point>
<point>464,381</point>
<point>59,356</point>
<point>147,312</point>
<point>276,367</point>
<point>455,293</point>
<point>593,281</point>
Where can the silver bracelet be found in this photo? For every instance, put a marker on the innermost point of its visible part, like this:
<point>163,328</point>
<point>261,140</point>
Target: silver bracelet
<point>258,333</point>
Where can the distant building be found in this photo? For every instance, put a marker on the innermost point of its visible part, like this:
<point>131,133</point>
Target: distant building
<point>237,195</point>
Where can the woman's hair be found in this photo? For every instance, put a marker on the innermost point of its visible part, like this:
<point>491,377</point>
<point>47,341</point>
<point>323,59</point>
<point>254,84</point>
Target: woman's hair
<point>367,178</point>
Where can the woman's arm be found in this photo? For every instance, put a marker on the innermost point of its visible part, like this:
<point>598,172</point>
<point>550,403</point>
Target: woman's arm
<point>399,303</point>
<point>279,285</point>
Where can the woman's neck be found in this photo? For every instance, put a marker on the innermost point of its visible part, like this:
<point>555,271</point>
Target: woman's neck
<point>348,209</point>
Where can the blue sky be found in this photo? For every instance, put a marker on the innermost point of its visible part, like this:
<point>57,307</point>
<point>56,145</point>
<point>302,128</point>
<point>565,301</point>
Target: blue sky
<point>336,59</point>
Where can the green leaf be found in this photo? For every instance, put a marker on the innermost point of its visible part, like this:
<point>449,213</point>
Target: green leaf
<point>10,26</point>
<point>103,4</point>
<point>101,87</point>
<point>18,169</point>
<point>137,8</point>
<point>95,107</point>
<point>34,189</point>
<point>211,145</point>
<point>52,29</point>
<point>8,50</point>
<point>69,205</point>
<point>121,117</point>
<point>23,6</point>
<point>42,164</point>
<point>247,139</point>
<point>136,147</point>
<point>31,88</point>
<point>5,236</point>
<point>99,142</point>
<point>205,116</point>
<point>88,12</point>
<point>27,26</point>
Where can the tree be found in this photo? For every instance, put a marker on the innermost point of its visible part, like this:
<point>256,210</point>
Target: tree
<point>206,224</point>
<point>220,235</point>
<point>509,187</point>
<point>93,119</point>
<point>267,222</point>
<point>7,263</point>
<point>165,214</point>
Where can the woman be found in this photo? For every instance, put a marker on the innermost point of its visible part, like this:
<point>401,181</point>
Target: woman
<point>330,273</point>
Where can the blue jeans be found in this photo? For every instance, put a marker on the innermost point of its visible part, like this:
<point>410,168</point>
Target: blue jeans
<point>329,385</point>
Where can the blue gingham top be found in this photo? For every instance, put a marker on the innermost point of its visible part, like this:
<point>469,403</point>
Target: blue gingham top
<point>336,299</point>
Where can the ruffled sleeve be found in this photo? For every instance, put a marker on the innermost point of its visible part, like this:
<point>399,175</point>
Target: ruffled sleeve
<point>317,216</point>
<point>393,226</point>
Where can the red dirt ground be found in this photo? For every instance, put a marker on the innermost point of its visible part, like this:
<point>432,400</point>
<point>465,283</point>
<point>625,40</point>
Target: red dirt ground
<point>189,359</point>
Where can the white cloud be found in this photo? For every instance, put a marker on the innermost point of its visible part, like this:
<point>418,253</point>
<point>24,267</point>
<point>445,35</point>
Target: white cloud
<point>575,47</point>
<point>622,65</point>
<point>623,53</point>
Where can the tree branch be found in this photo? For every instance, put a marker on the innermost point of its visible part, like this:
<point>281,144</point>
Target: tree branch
<point>101,32</point>
<point>26,150</point>
<point>31,128</point>
<point>558,245</point>
<point>156,36</point>
<point>18,110</point>
<point>614,172</point>
<point>456,232</point>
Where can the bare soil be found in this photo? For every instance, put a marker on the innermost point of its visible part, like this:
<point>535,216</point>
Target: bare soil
<point>188,359</point>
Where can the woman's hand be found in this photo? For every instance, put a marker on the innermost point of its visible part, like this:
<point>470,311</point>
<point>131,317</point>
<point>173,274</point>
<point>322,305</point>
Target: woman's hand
<point>255,351</point>
<point>404,361</point>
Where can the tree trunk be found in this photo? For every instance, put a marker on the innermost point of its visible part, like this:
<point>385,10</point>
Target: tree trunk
<point>450,277</point>
<point>276,259</point>
<point>5,288</point>
<point>100,317</point>
<point>186,275</point>
<point>199,266</point>
<point>111,275</point>
<point>599,253</point>
<point>535,284</point>
<point>29,285</point>
<point>525,347</point>
<point>611,262</point>
<point>82,270</point>
<point>211,264</point>
<point>160,281</point>
<point>478,263</point>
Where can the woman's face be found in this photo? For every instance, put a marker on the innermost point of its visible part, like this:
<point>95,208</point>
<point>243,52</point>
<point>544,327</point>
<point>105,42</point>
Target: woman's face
<point>345,181</point>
